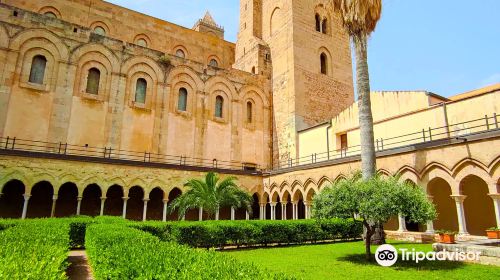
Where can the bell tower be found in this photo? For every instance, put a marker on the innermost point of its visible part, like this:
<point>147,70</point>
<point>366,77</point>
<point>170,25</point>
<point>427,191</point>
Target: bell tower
<point>311,70</point>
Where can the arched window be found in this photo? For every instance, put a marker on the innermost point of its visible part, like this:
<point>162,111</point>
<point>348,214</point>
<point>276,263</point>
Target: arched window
<point>93,80</point>
<point>142,43</point>
<point>253,70</point>
<point>50,14</point>
<point>140,91</point>
<point>318,23</point>
<point>100,30</point>
<point>180,53</point>
<point>213,63</point>
<point>324,26</point>
<point>182,102</point>
<point>249,112</point>
<point>37,72</point>
<point>219,105</point>
<point>324,64</point>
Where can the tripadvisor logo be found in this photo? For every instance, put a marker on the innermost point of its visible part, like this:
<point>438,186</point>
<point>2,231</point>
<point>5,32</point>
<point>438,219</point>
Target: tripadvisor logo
<point>387,255</point>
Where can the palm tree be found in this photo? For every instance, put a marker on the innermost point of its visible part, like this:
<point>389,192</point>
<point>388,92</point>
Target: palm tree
<point>211,194</point>
<point>359,18</point>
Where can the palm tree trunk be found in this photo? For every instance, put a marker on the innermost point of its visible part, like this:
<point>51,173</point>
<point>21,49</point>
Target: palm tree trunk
<point>368,163</point>
<point>368,158</point>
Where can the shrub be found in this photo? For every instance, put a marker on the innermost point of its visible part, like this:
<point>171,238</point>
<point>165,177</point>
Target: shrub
<point>118,252</point>
<point>35,249</point>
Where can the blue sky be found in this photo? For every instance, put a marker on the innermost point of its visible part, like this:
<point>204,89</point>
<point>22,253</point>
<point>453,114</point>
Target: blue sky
<point>443,46</point>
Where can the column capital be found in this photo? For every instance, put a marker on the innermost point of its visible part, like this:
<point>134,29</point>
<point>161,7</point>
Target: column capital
<point>284,202</point>
<point>54,197</point>
<point>494,196</point>
<point>165,201</point>
<point>295,202</point>
<point>145,199</point>
<point>79,198</point>
<point>125,198</point>
<point>458,198</point>
<point>307,203</point>
<point>263,204</point>
<point>273,203</point>
<point>26,196</point>
<point>430,197</point>
<point>103,198</point>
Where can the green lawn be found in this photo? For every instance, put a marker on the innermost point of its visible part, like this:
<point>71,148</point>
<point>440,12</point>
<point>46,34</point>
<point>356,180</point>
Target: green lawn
<point>347,261</point>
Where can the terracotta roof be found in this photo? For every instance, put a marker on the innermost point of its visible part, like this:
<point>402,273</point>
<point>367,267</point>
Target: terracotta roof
<point>476,92</point>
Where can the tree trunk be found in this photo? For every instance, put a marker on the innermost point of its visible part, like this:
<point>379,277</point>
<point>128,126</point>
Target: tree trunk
<point>368,163</point>
<point>368,239</point>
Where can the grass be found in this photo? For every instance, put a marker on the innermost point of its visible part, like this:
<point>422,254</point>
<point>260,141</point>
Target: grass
<point>347,261</point>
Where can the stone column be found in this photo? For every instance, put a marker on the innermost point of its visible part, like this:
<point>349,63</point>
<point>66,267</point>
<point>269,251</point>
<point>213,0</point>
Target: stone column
<point>247,216</point>
<point>145,209</point>
<point>78,205</point>
<point>233,214</point>
<point>25,205</point>
<point>295,213</point>
<point>263,211</point>
<point>273,210</point>
<point>124,212</point>
<point>200,214</point>
<point>307,205</point>
<point>459,202</point>
<point>496,205</point>
<point>430,224</point>
<point>103,201</point>
<point>283,210</point>
<point>217,213</point>
<point>53,209</point>
<point>165,207</point>
<point>402,223</point>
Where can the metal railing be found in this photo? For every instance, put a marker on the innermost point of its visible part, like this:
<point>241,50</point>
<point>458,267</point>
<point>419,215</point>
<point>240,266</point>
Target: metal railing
<point>425,135</point>
<point>106,153</point>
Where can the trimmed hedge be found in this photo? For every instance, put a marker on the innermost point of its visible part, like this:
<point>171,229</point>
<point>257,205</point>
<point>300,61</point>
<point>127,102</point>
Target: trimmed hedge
<point>211,234</point>
<point>35,249</point>
<point>118,252</point>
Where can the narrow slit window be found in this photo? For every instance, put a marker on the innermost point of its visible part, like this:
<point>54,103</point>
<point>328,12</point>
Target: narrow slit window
<point>324,26</point>
<point>318,23</point>
<point>249,112</point>
<point>93,81</point>
<point>140,91</point>
<point>37,72</point>
<point>324,64</point>
<point>182,103</point>
<point>219,105</point>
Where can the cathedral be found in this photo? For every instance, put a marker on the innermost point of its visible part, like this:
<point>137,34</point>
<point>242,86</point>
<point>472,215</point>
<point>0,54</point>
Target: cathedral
<point>107,111</point>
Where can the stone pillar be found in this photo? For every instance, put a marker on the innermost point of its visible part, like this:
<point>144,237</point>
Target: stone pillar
<point>233,214</point>
<point>273,210</point>
<point>247,215</point>
<point>263,211</point>
<point>307,205</point>
<point>78,205</point>
<point>295,209</point>
<point>145,209</point>
<point>103,200</point>
<point>53,209</point>
<point>217,213</point>
<point>200,214</point>
<point>430,224</point>
<point>459,202</point>
<point>25,205</point>
<point>402,223</point>
<point>124,212</point>
<point>283,210</point>
<point>165,207</point>
<point>496,205</point>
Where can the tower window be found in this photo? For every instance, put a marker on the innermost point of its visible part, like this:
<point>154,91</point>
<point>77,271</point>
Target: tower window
<point>213,63</point>
<point>180,53</point>
<point>324,26</point>
<point>219,105</point>
<point>249,112</point>
<point>100,30</point>
<point>37,72</point>
<point>324,63</point>
<point>93,81</point>
<point>318,23</point>
<point>140,91</point>
<point>253,70</point>
<point>182,102</point>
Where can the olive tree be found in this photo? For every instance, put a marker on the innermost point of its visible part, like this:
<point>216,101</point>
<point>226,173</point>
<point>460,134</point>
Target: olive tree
<point>373,202</point>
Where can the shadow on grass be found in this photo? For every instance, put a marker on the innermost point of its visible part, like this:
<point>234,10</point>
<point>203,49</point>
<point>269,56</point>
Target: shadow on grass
<point>360,259</point>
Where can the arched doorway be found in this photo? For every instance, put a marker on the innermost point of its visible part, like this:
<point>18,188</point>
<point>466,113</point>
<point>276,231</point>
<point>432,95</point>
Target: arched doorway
<point>288,215</point>
<point>155,205</point>
<point>40,203</point>
<point>440,191</point>
<point>412,226</point>
<point>478,206</point>
<point>67,200</point>
<point>174,216</point>
<point>114,201</point>
<point>12,199</point>
<point>135,203</point>
<point>255,207</point>
<point>299,198</point>
<point>91,201</point>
